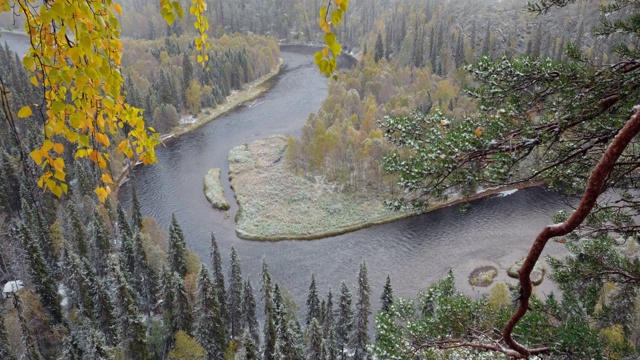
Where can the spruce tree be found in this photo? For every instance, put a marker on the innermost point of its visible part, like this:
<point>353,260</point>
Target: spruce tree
<point>210,329</point>
<point>328,316</point>
<point>345,320</point>
<point>124,230</point>
<point>177,248</point>
<point>78,283</point>
<point>31,347</point>
<point>102,243</point>
<point>386,299</point>
<point>5,347</point>
<point>314,340</point>
<point>126,256</point>
<point>136,212</point>
<point>218,278</point>
<point>234,294</point>
<point>250,347</point>
<point>270,331</point>
<point>250,314</point>
<point>182,312</point>
<point>44,283</point>
<point>132,329</point>
<point>104,312</point>
<point>360,336</point>
<point>145,281</point>
<point>379,49</point>
<point>313,303</point>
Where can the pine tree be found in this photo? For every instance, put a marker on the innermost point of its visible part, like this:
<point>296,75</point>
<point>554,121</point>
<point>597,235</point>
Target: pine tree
<point>31,347</point>
<point>136,213</point>
<point>218,278</point>
<point>345,320</point>
<point>177,248</point>
<point>360,336</point>
<point>250,314</point>
<point>314,335</point>
<point>44,283</point>
<point>386,299</point>
<point>132,328</point>
<point>5,347</point>
<point>313,303</point>
<point>124,230</point>
<point>210,329</point>
<point>328,316</point>
<point>234,292</point>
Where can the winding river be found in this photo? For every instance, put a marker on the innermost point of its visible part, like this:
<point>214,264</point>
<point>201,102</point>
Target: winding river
<point>415,252</point>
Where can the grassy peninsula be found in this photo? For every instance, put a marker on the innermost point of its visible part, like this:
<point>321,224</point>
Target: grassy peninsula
<point>279,204</point>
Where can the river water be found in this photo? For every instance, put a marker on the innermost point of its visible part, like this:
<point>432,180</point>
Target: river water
<point>415,252</point>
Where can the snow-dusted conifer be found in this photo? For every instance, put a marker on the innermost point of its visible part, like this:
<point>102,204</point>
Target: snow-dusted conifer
<point>210,329</point>
<point>124,230</point>
<point>234,295</point>
<point>360,336</point>
<point>44,283</point>
<point>218,278</point>
<point>386,299</point>
<point>313,303</point>
<point>344,322</point>
<point>249,312</point>
<point>177,248</point>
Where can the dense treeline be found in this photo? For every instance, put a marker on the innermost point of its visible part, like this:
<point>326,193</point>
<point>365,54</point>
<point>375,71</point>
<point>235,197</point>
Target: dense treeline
<point>162,77</point>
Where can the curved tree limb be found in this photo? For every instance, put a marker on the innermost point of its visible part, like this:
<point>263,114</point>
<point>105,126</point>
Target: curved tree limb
<point>595,185</point>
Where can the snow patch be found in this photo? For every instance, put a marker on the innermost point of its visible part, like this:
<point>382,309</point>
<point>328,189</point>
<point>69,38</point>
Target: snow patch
<point>11,287</point>
<point>188,119</point>
<point>507,193</point>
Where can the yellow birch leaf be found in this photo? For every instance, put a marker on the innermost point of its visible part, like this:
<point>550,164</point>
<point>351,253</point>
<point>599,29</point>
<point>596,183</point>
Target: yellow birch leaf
<point>58,148</point>
<point>106,178</point>
<point>24,112</point>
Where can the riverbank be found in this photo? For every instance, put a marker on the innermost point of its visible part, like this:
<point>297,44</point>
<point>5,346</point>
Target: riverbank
<point>276,204</point>
<point>250,91</point>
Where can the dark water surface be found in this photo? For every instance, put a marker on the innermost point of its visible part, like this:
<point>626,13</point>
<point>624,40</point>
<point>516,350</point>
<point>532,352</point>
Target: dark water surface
<point>415,252</point>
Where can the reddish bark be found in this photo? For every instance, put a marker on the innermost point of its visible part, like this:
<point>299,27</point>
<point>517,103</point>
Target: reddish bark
<point>594,188</point>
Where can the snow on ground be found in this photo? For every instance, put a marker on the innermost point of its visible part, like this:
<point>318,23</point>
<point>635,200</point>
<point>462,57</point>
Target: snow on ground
<point>188,119</point>
<point>507,193</point>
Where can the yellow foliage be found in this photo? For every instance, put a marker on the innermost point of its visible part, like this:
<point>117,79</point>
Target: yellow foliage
<point>498,297</point>
<point>615,340</point>
<point>186,348</point>
<point>75,54</point>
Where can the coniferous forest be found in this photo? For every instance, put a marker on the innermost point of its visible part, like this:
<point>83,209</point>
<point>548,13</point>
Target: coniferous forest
<point>446,97</point>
